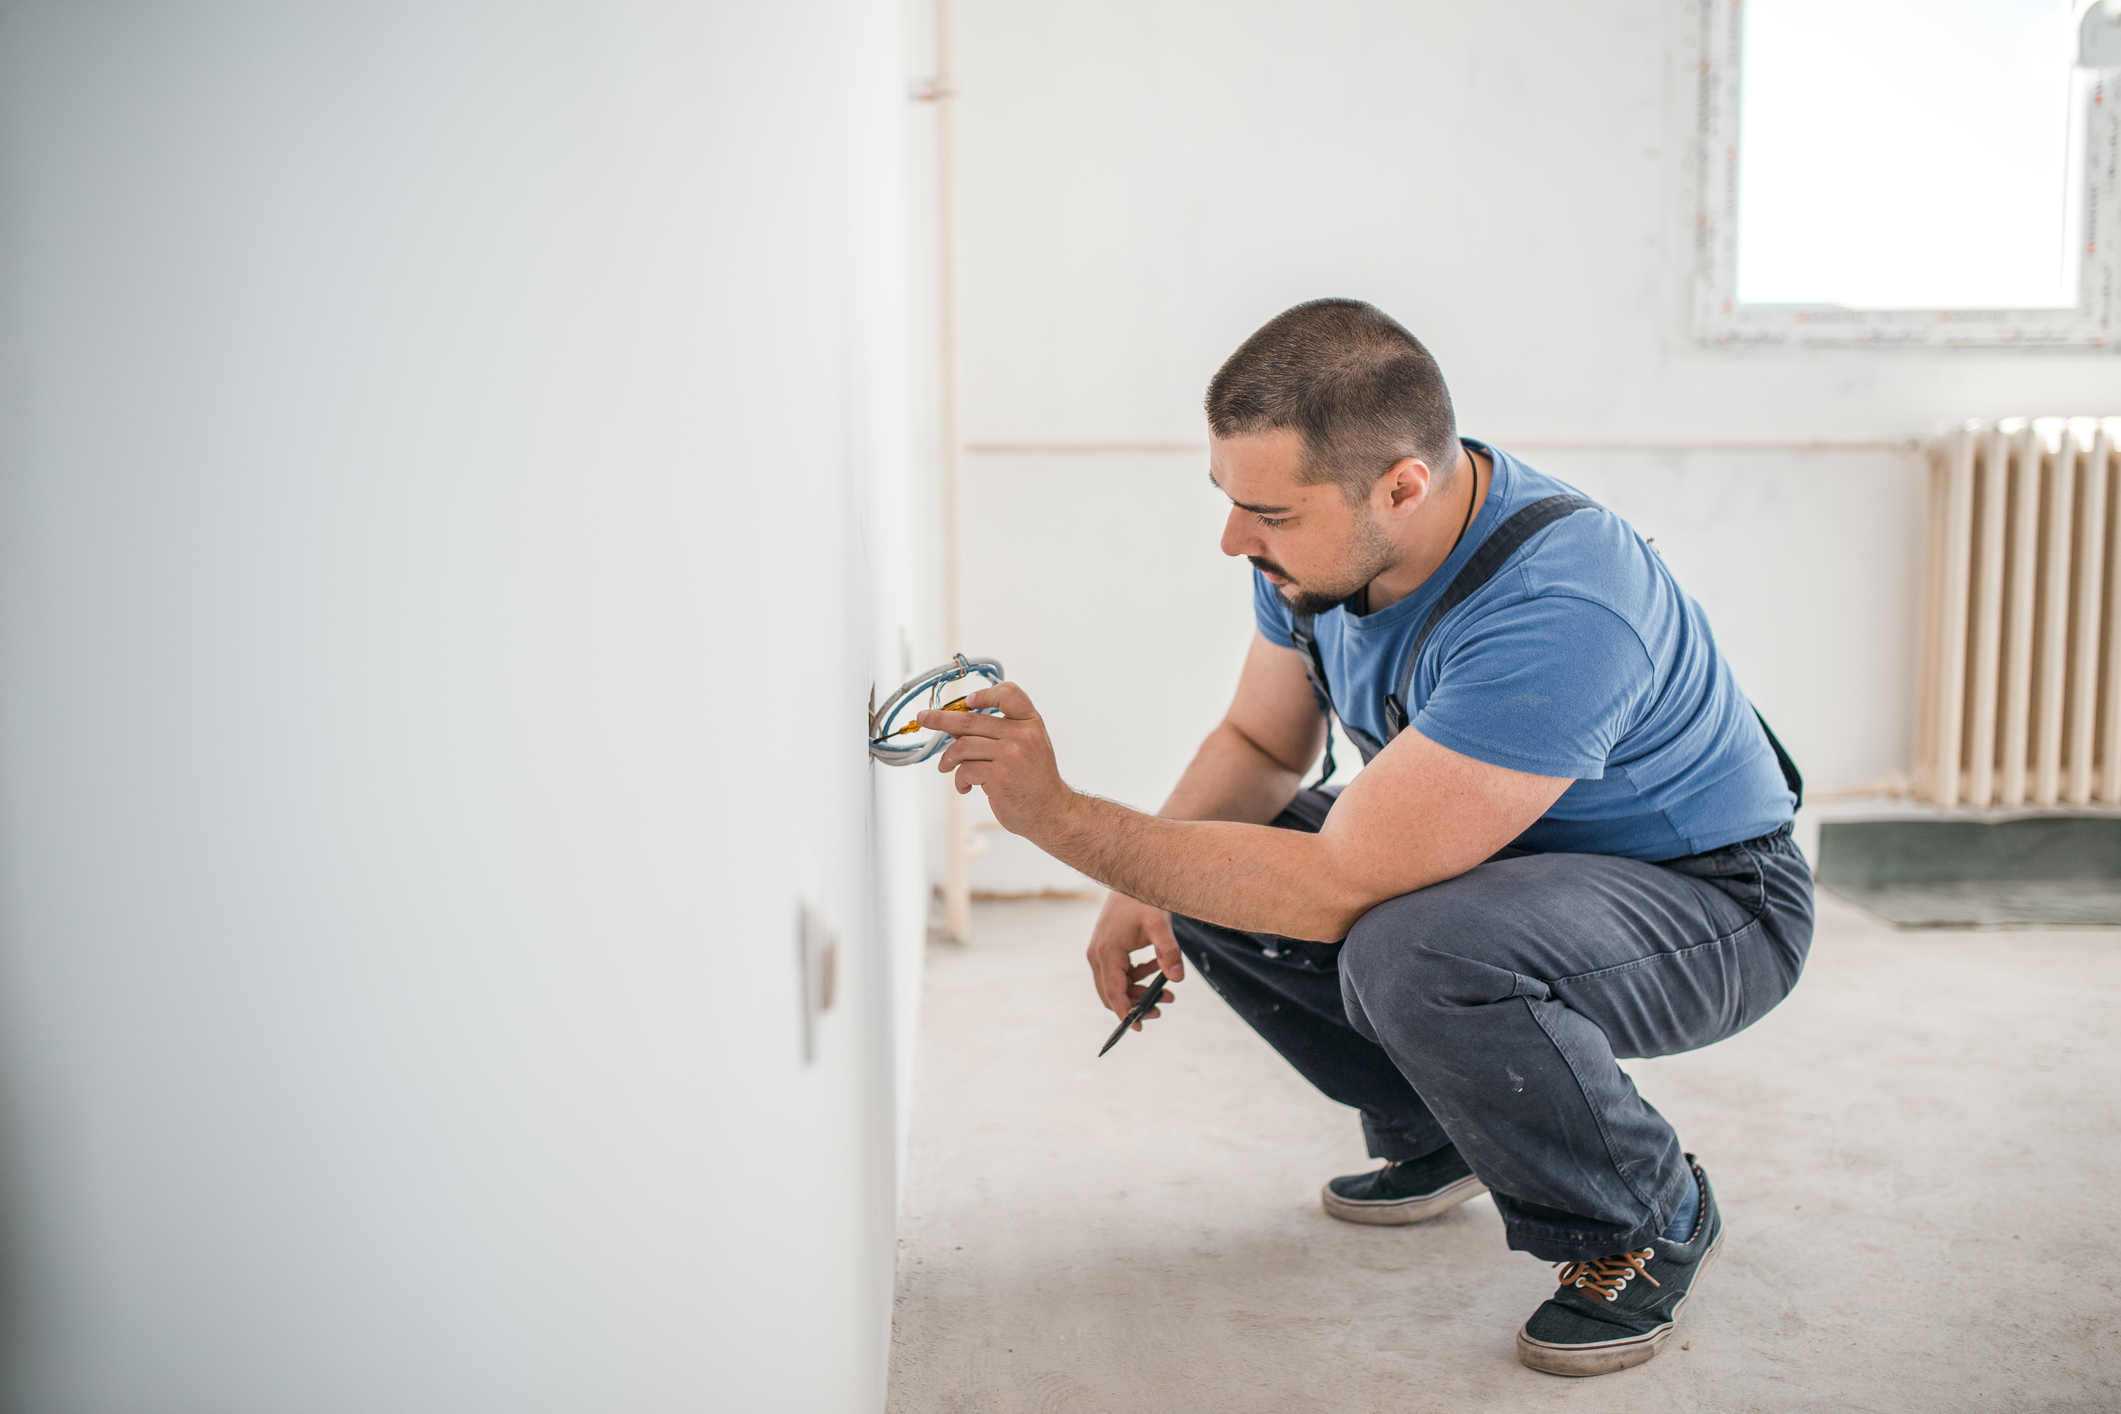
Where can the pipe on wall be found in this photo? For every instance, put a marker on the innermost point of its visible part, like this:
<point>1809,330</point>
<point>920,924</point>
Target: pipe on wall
<point>957,834</point>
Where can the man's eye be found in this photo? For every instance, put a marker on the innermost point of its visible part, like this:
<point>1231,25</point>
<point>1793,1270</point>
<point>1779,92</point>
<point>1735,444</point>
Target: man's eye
<point>1273,521</point>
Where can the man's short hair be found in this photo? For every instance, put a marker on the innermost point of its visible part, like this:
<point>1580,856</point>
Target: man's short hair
<point>1357,388</point>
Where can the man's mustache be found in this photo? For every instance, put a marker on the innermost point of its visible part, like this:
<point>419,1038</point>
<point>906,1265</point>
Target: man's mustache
<point>1261,563</point>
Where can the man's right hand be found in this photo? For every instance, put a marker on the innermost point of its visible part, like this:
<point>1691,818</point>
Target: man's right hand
<point>1125,927</point>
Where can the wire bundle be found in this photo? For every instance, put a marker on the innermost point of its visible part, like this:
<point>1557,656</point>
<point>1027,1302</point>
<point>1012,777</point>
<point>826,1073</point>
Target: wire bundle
<point>885,728</point>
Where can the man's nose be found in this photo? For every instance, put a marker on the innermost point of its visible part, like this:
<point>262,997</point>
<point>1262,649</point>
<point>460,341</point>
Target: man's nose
<point>1238,538</point>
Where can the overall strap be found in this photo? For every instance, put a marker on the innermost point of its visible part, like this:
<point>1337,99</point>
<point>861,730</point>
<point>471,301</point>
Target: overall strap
<point>1315,670</point>
<point>1790,777</point>
<point>1493,554</point>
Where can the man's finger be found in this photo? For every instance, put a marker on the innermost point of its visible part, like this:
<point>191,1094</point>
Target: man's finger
<point>1109,991</point>
<point>962,724</point>
<point>959,752</point>
<point>1108,974</point>
<point>1011,699</point>
<point>1167,954</point>
<point>1110,979</point>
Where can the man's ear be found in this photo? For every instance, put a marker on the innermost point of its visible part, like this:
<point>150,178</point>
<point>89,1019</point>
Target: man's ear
<point>1406,484</point>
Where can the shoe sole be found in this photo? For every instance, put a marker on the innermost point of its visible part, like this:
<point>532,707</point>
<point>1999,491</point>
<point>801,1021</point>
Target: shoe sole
<point>1579,1361</point>
<point>1395,1212</point>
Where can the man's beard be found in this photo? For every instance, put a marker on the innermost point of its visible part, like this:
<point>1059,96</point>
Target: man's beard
<point>1370,553</point>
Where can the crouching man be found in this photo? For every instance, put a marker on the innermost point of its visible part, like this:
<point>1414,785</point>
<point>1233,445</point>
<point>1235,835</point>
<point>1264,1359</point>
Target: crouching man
<point>1570,845</point>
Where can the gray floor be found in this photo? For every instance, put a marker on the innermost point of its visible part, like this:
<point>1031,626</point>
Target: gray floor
<point>1918,1155</point>
<point>1999,903</point>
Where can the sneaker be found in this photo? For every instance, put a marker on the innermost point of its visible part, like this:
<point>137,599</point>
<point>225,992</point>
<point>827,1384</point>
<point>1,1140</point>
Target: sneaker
<point>1409,1191</point>
<point>1618,1311</point>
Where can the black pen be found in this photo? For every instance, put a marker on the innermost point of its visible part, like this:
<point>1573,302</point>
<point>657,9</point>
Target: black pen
<point>1141,1008</point>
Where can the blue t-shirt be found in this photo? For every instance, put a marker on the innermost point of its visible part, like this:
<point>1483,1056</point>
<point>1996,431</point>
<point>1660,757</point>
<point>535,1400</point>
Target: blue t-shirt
<point>1581,657</point>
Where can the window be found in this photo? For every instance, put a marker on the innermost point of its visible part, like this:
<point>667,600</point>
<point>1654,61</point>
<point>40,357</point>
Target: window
<point>1929,173</point>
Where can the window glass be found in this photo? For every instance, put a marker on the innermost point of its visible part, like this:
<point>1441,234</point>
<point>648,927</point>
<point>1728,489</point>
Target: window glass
<point>1907,154</point>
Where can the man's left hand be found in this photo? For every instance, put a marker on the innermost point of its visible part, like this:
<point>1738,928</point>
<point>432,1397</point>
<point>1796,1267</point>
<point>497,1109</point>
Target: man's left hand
<point>1010,757</point>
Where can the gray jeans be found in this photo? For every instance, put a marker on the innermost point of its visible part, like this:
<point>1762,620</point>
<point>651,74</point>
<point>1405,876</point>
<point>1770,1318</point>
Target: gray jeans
<point>1491,1011</point>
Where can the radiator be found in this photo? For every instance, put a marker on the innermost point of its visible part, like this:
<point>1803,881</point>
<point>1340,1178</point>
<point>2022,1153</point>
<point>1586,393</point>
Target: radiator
<point>2020,695</point>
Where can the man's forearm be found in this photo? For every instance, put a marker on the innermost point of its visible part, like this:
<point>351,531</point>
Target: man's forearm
<point>1231,779</point>
<point>1240,875</point>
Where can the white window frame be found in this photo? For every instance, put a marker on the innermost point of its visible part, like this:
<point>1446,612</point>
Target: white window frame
<point>1721,321</point>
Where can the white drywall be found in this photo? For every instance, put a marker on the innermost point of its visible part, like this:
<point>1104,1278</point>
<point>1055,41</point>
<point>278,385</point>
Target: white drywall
<point>1146,181</point>
<point>453,484</point>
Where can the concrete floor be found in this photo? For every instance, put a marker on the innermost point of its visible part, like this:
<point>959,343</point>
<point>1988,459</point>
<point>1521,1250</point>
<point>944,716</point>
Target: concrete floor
<point>1918,1155</point>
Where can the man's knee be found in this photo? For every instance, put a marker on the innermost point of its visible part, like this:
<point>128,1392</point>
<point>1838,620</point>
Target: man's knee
<point>1411,966</point>
<point>1392,945</point>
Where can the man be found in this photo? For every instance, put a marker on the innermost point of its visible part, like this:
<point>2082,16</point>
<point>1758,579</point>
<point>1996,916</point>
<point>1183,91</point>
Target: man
<point>1570,845</point>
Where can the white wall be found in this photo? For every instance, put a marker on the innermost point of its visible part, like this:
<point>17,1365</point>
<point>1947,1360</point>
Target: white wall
<point>1147,181</point>
<point>423,429</point>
